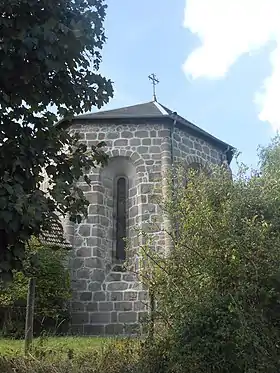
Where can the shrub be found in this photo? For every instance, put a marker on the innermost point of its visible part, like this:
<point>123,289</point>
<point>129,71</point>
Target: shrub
<point>218,292</point>
<point>52,294</point>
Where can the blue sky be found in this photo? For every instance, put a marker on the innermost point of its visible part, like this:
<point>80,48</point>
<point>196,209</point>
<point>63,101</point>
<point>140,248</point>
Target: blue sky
<point>218,64</point>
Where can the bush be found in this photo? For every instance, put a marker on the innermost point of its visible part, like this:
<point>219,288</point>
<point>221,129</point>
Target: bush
<point>218,293</point>
<point>52,294</point>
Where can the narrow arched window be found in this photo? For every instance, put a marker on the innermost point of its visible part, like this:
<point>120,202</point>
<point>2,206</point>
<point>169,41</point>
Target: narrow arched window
<point>121,196</point>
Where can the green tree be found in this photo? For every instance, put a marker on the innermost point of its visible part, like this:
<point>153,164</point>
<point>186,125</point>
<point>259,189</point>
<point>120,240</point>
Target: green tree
<point>219,289</point>
<point>50,54</point>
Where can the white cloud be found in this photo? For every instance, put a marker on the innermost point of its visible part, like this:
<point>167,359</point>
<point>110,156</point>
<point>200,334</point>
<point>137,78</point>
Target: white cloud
<point>227,29</point>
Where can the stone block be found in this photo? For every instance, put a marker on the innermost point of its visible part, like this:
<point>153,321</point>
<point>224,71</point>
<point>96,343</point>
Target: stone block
<point>116,296</point>
<point>94,263</point>
<point>96,209</point>
<point>142,150</point>
<point>146,141</point>
<point>147,188</point>
<point>97,231</point>
<point>128,317</point>
<point>84,252</point>
<point>130,295</point>
<point>80,318</point>
<point>84,230</point>
<point>117,286</point>
<point>101,136</point>
<point>114,317</point>
<point>95,197</point>
<point>143,295</point>
<point>114,329</point>
<point>98,275</point>
<point>91,307</point>
<point>156,141</point>
<point>94,330</point>
<point>164,133</point>
<point>140,169</point>
<point>154,149</point>
<point>177,137</point>
<point>91,136</point>
<point>100,317</point>
<point>77,263</point>
<point>94,286</point>
<point>127,134</point>
<point>94,241</point>
<point>140,306</point>
<point>141,134</point>
<point>129,277</point>
<point>79,285</point>
<point>77,306</point>
<point>156,156</point>
<point>123,306</point>
<point>77,330</point>
<point>121,142</point>
<point>86,296</point>
<point>97,252</point>
<point>83,273</point>
<point>113,135</point>
<point>113,276</point>
<point>134,142</point>
<point>93,219</point>
<point>132,191</point>
<point>78,241</point>
<point>106,306</point>
<point>99,296</point>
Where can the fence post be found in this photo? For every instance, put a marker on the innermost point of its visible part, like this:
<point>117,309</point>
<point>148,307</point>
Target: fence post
<point>29,314</point>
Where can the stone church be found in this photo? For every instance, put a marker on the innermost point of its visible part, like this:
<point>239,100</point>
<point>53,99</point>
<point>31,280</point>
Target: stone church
<point>143,141</point>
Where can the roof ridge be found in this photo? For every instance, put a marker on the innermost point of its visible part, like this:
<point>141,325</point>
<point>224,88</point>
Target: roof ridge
<point>161,108</point>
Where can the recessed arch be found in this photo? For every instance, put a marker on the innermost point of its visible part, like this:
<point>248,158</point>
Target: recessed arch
<point>119,179</point>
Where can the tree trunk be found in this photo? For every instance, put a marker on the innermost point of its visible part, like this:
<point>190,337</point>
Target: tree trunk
<point>29,314</point>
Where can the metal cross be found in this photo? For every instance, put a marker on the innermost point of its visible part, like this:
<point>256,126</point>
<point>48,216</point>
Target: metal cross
<point>154,81</point>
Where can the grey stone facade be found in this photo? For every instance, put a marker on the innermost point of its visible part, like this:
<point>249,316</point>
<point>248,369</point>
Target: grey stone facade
<point>106,299</point>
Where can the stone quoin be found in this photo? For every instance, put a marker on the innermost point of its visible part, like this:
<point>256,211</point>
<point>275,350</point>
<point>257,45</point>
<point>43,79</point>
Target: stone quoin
<point>142,141</point>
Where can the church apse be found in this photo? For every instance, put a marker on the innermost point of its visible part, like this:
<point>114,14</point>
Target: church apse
<point>108,300</point>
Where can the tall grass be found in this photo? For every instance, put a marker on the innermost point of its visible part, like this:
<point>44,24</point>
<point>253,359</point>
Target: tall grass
<point>73,355</point>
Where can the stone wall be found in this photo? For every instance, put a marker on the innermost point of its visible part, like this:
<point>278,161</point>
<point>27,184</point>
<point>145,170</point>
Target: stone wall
<point>106,299</point>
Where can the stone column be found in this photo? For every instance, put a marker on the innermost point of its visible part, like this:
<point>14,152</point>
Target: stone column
<point>166,168</point>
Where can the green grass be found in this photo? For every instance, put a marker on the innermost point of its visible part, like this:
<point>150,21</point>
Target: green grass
<point>61,345</point>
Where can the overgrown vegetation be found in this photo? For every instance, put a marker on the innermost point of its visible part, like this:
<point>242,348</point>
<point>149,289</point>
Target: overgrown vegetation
<point>217,293</point>
<point>51,297</point>
<point>110,356</point>
<point>46,346</point>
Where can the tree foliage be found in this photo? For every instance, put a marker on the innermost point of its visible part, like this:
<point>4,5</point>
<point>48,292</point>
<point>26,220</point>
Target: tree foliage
<point>50,52</point>
<point>218,293</point>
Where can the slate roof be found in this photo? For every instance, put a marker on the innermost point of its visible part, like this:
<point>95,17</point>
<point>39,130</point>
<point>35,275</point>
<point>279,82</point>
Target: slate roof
<point>147,109</point>
<point>55,237</point>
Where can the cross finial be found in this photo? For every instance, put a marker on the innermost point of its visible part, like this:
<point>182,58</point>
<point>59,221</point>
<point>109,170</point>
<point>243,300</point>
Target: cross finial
<point>154,81</point>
